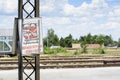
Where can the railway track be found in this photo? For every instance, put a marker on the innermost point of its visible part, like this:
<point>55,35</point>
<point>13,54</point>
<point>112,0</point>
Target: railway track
<point>65,62</point>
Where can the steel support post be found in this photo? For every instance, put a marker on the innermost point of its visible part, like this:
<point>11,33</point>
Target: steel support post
<point>20,9</point>
<point>37,68</point>
<point>37,8</point>
<point>37,72</point>
<point>36,56</point>
<point>20,61</point>
<point>20,67</point>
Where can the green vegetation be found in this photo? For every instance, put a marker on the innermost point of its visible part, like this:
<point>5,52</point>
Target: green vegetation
<point>99,51</point>
<point>76,52</point>
<point>63,51</point>
<point>54,51</point>
<point>53,40</point>
<point>90,51</point>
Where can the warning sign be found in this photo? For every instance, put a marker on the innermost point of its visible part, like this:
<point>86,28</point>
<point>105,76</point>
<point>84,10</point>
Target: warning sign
<point>30,33</point>
<point>31,36</point>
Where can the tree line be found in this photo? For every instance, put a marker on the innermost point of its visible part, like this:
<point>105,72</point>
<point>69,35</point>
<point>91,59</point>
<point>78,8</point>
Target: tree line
<point>53,40</point>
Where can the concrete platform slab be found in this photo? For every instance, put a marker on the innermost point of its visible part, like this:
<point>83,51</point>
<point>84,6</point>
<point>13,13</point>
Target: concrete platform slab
<point>106,73</point>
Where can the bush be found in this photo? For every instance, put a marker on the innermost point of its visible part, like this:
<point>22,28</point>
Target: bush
<point>54,51</point>
<point>48,51</point>
<point>99,51</point>
<point>61,50</point>
<point>84,50</point>
<point>78,51</point>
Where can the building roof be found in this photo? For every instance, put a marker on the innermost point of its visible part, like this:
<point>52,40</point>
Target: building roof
<point>6,32</point>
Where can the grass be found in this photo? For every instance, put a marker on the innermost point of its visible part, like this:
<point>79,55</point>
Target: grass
<point>63,52</point>
<point>90,51</point>
<point>112,51</point>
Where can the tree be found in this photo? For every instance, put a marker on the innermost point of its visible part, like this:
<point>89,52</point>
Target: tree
<point>76,41</point>
<point>83,42</point>
<point>100,39</point>
<point>108,40</point>
<point>45,41</point>
<point>89,39</point>
<point>68,41</point>
<point>52,38</point>
<point>84,47</point>
<point>119,42</point>
<point>56,40</point>
<point>62,42</point>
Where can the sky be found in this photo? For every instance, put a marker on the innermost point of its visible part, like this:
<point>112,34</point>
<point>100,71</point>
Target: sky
<point>76,17</point>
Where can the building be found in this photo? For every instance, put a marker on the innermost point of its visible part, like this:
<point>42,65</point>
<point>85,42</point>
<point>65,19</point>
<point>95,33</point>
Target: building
<point>6,36</point>
<point>89,46</point>
<point>76,45</point>
<point>93,46</point>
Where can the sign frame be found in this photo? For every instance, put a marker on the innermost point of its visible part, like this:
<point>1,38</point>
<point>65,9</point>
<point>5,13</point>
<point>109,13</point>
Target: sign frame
<point>30,34</point>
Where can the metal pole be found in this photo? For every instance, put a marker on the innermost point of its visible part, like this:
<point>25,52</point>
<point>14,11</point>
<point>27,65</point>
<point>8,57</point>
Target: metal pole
<point>37,72</point>
<point>37,8</point>
<point>20,61</point>
<point>37,69</point>
<point>20,67</point>
<point>20,11</point>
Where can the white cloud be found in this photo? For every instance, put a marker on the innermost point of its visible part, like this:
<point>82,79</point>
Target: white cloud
<point>48,6</point>
<point>96,17</point>
<point>97,7</point>
<point>113,22</point>
<point>55,21</point>
<point>113,25</point>
<point>99,3</point>
<point>8,6</point>
<point>6,21</point>
<point>99,15</point>
<point>115,12</point>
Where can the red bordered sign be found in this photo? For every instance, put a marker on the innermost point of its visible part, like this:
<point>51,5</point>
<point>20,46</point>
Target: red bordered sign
<point>30,32</point>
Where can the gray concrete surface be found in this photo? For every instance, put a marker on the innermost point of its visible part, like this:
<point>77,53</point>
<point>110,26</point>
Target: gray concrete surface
<point>108,73</point>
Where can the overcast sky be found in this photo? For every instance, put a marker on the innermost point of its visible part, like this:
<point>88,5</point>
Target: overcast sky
<point>76,17</point>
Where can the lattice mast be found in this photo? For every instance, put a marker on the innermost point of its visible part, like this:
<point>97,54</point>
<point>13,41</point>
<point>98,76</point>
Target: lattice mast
<point>28,9</point>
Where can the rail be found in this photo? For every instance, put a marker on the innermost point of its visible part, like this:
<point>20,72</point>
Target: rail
<point>10,63</point>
